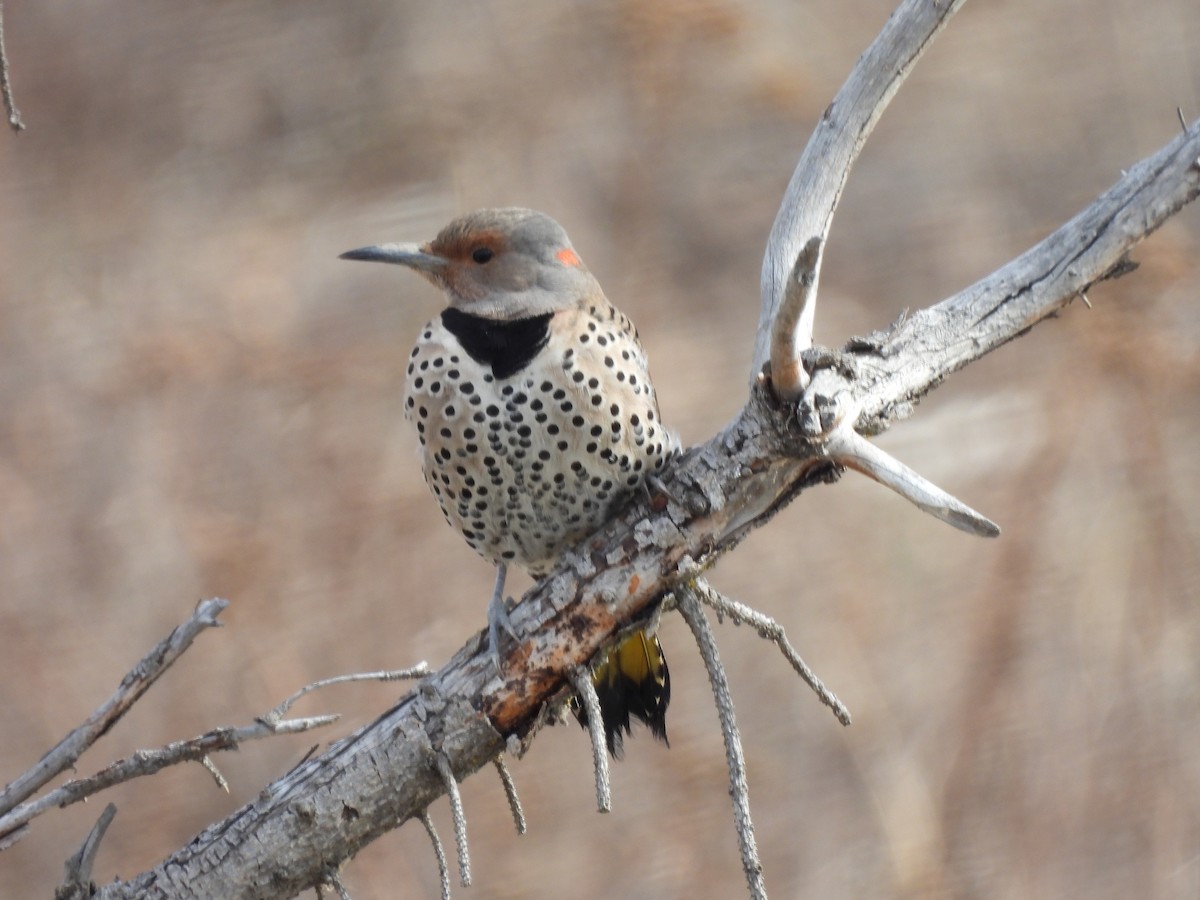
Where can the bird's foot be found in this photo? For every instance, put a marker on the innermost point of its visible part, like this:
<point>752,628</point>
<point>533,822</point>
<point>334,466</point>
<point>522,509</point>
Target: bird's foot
<point>498,618</point>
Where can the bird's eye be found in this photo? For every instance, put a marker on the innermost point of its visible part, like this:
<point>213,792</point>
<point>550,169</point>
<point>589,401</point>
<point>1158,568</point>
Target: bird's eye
<point>481,254</point>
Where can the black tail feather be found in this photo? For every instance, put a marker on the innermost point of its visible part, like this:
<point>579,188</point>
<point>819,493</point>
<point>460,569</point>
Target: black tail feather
<point>632,682</point>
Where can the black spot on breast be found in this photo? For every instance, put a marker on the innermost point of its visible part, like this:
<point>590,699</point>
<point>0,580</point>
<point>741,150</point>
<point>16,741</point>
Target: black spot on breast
<point>507,347</point>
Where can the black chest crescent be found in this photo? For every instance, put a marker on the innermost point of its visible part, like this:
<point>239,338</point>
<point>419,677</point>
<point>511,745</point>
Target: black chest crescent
<point>507,347</point>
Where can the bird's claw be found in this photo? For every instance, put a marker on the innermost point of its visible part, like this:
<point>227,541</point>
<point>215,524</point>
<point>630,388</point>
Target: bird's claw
<point>498,620</point>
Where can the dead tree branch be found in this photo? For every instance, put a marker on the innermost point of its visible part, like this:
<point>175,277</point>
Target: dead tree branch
<point>149,762</point>
<point>735,758</point>
<point>329,807</point>
<point>713,496</point>
<point>14,823</point>
<point>67,752</point>
<point>770,630</point>
<point>78,884</point>
<point>785,323</point>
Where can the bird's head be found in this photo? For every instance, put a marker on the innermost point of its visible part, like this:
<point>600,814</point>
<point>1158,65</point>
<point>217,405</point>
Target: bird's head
<point>498,263</point>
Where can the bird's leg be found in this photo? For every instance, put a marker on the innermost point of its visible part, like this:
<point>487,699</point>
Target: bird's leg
<point>652,482</point>
<point>498,617</point>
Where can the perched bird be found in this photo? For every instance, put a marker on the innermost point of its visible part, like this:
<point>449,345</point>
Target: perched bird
<point>535,416</point>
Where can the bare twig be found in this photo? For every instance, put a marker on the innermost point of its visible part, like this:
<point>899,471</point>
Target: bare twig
<point>735,759</point>
<point>133,685</point>
<point>772,631</point>
<point>581,680</point>
<point>420,670</point>
<point>198,749</point>
<point>806,212</point>
<point>849,448</point>
<point>78,881</point>
<point>460,818</point>
<point>510,791</point>
<point>148,762</point>
<point>212,769</point>
<point>14,835</point>
<point>439,852</point>
<point>10,107</point>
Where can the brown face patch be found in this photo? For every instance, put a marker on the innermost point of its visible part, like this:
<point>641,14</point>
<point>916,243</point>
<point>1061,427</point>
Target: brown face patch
<point>457,244</point>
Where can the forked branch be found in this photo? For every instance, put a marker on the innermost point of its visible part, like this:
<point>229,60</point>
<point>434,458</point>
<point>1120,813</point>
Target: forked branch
<point>812,195</point>
<point>735,758</point>
<point>66,752</point>
<point>14,823</point>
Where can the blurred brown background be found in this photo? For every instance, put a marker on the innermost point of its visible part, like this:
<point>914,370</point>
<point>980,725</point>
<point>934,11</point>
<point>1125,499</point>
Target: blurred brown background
<point>197,398</point>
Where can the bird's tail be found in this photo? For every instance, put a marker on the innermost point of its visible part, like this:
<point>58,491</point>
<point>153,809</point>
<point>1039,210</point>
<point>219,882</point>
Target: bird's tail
<point>631,680</point>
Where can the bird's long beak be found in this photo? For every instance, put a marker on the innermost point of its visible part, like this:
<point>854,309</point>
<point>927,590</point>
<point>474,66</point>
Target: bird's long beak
<point>411,255</point>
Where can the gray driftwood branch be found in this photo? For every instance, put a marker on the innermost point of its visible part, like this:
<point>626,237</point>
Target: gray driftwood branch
<point>331,806</point>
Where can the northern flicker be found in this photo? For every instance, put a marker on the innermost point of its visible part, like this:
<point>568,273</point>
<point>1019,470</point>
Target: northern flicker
<point>535,416</point>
